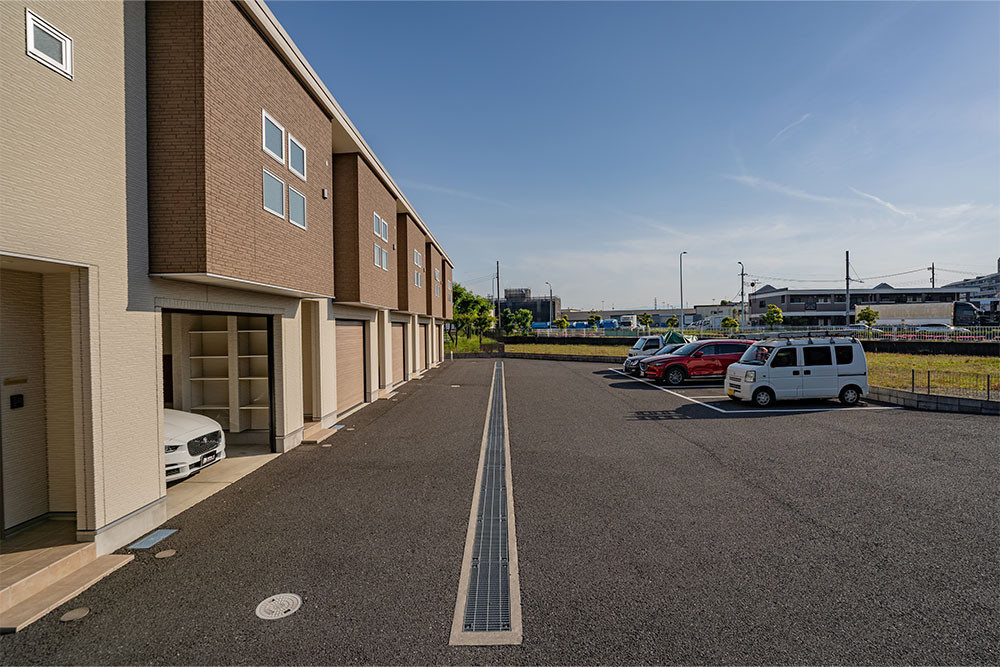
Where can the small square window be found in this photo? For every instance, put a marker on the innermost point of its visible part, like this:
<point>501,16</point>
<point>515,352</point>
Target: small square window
<point>437,290</point>
<point>296,157</point>
<point>416,257</point>
<point>378,226</point>
<point>378,256</point>
<point>273,137</point>
<point>296,207</point>
<point>385,259</point>
<point>48,45</point>
<point>437,275</point>
<point>274,194</point>
<point>385,231</point>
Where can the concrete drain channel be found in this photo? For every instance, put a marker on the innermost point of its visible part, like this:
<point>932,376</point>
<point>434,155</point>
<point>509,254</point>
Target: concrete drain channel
<point>488,608</point>
<point>278,606</point>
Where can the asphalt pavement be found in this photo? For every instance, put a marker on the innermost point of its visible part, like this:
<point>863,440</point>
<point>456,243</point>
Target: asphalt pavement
<point>651,529</point>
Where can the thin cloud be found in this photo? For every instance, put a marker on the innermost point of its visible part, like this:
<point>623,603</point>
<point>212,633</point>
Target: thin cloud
<point>763,184</point>
<point>789,127</point>
<point>454,193</point>
<point>882,202</point>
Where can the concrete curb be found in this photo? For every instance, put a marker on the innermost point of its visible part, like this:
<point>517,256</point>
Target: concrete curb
<point>549,357</point>
<point>934,402</point>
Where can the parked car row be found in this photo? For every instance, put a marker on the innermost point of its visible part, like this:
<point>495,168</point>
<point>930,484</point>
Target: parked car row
<point>762,372</point>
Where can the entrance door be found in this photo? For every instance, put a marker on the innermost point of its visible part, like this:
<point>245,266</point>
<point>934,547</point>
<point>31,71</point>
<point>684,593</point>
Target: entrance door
<point>398,350</point>
<point>350,364</point>
<point>422,344</point>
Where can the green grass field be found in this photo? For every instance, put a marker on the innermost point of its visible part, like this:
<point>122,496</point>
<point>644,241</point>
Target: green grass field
<point>948,374</point>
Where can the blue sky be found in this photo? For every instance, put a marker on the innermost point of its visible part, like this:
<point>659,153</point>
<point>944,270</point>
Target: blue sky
<point>587,144</point>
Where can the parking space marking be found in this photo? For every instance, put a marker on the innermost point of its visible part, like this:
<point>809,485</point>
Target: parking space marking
<point>741,411</point>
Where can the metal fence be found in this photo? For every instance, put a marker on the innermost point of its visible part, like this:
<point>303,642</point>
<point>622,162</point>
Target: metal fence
<point>945,383</point>
<point>972,334</point>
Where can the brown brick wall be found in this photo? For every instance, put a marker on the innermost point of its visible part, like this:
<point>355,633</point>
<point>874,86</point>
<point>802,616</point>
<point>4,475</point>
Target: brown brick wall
<point>358,196</point>
<point>242,76</point>
<point>448,303</point>
<point>175,136</point>
<point>411,298</point>
<point>346,234</point>
<point>434,303</point>
<point>211,74</point>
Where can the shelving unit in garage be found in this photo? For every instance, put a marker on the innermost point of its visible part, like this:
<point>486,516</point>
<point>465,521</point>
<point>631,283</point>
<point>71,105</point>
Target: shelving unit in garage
<point>226,371</point>
<point>252,366</point>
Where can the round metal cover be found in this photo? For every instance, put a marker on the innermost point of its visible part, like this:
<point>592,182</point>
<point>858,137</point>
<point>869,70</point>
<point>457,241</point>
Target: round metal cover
<point>279,606</point>
<point>166,553</point>
<point>74,614</point>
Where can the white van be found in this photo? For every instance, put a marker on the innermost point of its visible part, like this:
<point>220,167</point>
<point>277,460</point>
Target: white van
<point>629,321</point>
<point>781,369</point>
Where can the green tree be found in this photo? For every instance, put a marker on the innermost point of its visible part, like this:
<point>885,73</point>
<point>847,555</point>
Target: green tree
<point>562,323</point>
<point>522,320</point>
<point>593,319</point>
<point>773,316</point>
<point>468,311</point>
<point>672,321</point>
<point>646,320</point>
<point>867,316</point>
<point>507,320</point>
<point>483,322</point>
<point>730,323</point>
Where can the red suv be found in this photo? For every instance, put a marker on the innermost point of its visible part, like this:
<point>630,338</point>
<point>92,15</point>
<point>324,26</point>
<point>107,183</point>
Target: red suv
<point>703,359</point>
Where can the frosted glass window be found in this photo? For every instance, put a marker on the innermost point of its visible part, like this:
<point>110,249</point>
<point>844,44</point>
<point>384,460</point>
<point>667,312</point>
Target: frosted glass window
<point>274,138</point>
<point>385,259</point>
<point>48,45</point>
<point>296,157</point>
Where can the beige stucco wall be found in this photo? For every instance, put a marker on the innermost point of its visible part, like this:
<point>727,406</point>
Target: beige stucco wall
<point>62,197</point>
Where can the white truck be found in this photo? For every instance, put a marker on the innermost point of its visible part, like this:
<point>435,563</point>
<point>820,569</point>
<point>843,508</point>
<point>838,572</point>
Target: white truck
<point>952,313</point>
<point>629,321</point>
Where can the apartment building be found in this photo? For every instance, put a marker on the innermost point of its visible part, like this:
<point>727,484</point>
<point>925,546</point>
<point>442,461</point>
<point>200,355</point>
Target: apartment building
<point>189,221</point>
<point>822,307</point>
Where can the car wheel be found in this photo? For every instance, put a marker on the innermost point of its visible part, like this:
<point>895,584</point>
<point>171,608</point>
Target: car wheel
<point>850,395</point>
<point>674,376</point>
<point>763,397</point>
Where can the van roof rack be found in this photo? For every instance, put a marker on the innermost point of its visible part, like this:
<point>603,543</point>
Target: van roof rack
<point>817,334</point>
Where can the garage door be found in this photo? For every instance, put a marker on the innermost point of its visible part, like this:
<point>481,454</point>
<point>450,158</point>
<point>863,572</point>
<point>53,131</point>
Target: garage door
<point>350,364</point>
<point>422,344</point>
<point>398,364</point>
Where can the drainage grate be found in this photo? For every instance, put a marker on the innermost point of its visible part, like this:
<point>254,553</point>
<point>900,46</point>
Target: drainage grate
<point>487,608</point>
<point>278,606</point>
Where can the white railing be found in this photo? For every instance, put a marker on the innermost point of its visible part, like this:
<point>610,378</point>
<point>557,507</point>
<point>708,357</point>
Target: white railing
<point>970,334</point>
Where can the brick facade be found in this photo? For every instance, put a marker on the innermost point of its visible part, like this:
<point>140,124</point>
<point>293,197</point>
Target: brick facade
<point>412,298</point>
<point>215,84</point>
<point>435,307</point>
<point>358,195</point>
<point>449,303</point>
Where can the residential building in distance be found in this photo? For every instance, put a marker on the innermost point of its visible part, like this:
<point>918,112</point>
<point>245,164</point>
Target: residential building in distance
<point>826,307</point>
<point>207,232</point>
<point>981,289</point>
<point>660,315</point>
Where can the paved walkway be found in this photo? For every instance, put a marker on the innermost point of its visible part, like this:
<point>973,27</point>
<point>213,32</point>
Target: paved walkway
<point>650,529</point>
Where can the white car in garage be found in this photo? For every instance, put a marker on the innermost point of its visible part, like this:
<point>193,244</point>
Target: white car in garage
<point>191,442</point>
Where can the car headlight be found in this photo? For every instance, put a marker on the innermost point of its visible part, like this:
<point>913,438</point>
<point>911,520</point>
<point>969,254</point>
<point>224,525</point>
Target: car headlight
<point>657,363</point>
<point>171,448</point>
<point>750,376</point>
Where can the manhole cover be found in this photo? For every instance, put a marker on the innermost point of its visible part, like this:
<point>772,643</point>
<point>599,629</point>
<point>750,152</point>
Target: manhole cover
<point>74,614</point>
<point>279,606</point>
<point>166,553</point>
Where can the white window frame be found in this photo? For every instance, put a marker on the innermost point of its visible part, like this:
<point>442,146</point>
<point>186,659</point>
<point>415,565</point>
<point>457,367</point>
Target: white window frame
<point>437,275</point>
<point>31,20</point>
<point>264,117</point>
<point>378,255</point>
<point>385,231</point>
<point>417,279</point>
<point>378,225</point>
<point>293,140</point>
<point>284,202</point>
<point>437,290</point>
<point>418,258</point>
<point>385,259</point>
<point>305,215</point>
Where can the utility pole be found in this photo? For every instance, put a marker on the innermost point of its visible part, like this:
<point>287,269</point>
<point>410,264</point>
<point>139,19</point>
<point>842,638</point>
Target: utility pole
<point>499,326</point>
<point>681,259</point>
<point>932,275</point>
<point>743,311</point>
<point>654,303</point>
<point>551,303</point>
<point>847,282</point>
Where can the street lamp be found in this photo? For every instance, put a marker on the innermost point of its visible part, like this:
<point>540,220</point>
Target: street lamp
<point>552,315</point>
<point>681,259</point>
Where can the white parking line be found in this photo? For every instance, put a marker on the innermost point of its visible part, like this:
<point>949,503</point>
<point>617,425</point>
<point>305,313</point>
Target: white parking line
<point>741,411</point>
